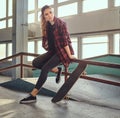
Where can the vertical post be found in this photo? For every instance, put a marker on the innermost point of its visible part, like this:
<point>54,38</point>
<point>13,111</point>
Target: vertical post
<point>19,32</point>
<point>66,75</point>
<point>21,66</point>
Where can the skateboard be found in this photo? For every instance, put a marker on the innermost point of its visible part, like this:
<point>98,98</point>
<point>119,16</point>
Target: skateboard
<point>69,82</point>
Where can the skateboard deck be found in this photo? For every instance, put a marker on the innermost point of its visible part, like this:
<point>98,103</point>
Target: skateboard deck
<point>69,82</point>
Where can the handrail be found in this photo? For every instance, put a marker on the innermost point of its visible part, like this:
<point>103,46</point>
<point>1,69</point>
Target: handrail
<point>21,64</point>
<point>97,63</point>
<point>18,54</point>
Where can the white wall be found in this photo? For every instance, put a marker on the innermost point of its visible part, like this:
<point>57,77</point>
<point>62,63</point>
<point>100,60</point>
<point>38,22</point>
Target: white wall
<point>5,34</point>
<point>87,22</point>
<point>94,21</point>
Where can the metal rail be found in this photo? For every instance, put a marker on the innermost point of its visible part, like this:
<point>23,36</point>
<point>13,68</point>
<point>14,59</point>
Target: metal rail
<point>66,73</point>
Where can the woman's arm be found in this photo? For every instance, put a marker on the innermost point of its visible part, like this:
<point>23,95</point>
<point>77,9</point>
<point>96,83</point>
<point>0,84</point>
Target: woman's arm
<point>67,49</point>
<point>44,43</point>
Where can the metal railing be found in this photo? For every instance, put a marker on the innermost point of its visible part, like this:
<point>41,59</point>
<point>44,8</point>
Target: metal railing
<point>66,73</point>
<point>21,64</point>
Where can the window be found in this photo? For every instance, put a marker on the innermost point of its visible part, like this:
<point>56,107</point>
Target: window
<point>40,49</point>
<point>10,7</point>
<point>2,51</point>
<point>117,43</point>
<point>10,22</point>
<point>39,14</point>
<point>3,9</point>
<point>31,5</point>
<point>66,10</point>
<point>117,3</point>
<point>94,46</point>
<point>31,18</point>
<point>2,24</point>
<point>59,1</point>
<point>74,45</point>
<point>6,13</point>
<point>42,3</point>
<point>9,49</point>
<point>89,5</point>
<point>31,50</point>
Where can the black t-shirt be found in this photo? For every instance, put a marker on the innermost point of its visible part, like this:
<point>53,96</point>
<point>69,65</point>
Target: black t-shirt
<point>51,44</point>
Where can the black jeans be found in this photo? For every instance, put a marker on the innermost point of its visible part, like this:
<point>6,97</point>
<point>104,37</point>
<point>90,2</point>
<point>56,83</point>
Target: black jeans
<point>45,62</point>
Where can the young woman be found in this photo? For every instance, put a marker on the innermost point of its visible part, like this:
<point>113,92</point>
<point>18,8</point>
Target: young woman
<point>56,40</point>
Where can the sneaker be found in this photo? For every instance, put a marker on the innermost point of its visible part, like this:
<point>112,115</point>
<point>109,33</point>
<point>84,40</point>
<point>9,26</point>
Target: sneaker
<point>58,75</point>
<point>29,99</point>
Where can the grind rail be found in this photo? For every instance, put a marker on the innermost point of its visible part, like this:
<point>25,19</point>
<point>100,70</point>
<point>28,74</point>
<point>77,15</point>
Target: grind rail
<point>21,55</point>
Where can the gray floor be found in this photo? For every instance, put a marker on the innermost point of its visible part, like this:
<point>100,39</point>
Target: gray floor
<point>95,100</point>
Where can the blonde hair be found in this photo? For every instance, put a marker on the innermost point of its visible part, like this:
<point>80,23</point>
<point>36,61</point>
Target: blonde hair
<point>43,21</point>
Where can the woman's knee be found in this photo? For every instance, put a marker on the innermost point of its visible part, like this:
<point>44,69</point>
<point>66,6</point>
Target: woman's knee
<point>33,63</point>
<point>37,63</point>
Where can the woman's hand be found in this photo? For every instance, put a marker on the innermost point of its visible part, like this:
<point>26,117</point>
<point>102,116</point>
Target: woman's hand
<point>72,57</point>
<point>67,49</point>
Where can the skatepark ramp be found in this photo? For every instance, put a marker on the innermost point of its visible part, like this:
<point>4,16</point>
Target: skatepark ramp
<point>73,77</point>
<point>107,65</point>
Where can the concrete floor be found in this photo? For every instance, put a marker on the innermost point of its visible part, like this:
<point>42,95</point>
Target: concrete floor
<point>95,100</point>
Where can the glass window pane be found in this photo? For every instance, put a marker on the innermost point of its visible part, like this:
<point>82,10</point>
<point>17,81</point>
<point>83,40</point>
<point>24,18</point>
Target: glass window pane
<point>40,49</point>
<point>96,39</point>
<point>75,46</point>
<point>94,46</point>
<point>89,5</point>
<point>10,7</point>
<point>2,51</point>
<point>31,50</point>
<point>31,5</point>
<point>2,24</point>
<point>3,8</point>
<point>66,10</point>
<point>9,49</point>
<point>10,22</point>
<point>62,1</point>
<point>117,2</point>
<point>31,18</point>
<point>117,43</point>
<point>39,14</point>
<point>41,3</point>
<point>92,50</point>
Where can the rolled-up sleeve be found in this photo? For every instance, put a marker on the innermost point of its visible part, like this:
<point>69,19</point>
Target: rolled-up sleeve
<point>65,35</point>
<point>44,43</point>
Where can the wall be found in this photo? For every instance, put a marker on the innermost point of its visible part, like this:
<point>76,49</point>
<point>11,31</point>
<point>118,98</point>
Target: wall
<point>87,22</point>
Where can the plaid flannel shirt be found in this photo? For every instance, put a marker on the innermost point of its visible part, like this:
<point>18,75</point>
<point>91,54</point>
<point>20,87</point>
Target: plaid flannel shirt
<point>61,39</point>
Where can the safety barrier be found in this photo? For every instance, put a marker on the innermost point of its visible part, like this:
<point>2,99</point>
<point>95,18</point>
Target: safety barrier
<point>66,73</point>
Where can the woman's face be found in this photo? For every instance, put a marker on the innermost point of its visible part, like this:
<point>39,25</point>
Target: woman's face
<point>48,15</point>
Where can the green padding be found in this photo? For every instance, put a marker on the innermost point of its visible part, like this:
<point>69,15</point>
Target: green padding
<point>104,70</point>
<point>111,59</point>
<point>72,66</point>
<point>37,72</point>
<point>23,86</point>
<point>91,69</point>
